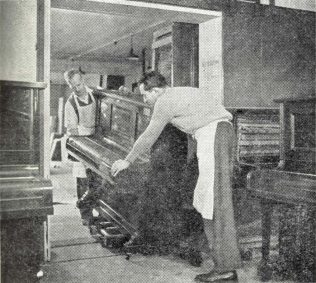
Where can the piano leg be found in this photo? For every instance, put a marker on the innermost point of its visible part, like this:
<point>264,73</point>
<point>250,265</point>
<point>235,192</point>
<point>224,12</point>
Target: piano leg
<point>313,240</point>
<point>288,248</point>
<point>264,268</point>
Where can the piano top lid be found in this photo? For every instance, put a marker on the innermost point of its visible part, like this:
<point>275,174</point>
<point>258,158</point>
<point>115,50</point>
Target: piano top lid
<point>23,182</point>
<point>136,100</point>
<point>295,99</point>
<point>38,85</point>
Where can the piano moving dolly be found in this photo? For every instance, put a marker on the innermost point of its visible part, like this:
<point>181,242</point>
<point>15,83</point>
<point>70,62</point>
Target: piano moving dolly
<point>109,235</point>
<point>104,224</point>
<point>113,237</point>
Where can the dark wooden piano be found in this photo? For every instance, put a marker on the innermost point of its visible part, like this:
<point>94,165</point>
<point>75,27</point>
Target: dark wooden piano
<point>144,200</point>
<point>292,187</point>
<point>25,195</point>
<point>119,120</point>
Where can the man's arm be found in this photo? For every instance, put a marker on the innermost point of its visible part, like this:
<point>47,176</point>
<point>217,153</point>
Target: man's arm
<point>146,140</point>
<point>161,117</point>
<point>72,132</point>
<point>71,120</point>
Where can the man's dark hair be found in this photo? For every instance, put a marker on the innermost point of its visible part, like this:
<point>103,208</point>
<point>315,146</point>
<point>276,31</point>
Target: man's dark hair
<point>68,75</point>
<point>152,79</point>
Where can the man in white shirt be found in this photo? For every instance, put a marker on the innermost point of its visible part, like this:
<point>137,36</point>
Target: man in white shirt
<point>194,112</point>
<point>80,111</point>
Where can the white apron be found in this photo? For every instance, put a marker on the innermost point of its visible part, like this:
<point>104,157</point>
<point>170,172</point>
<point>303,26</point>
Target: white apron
<point>203,199</point>
<point>86,127</point>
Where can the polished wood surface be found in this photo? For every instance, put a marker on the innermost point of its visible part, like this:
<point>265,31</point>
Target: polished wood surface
<point>23,197</point>
<point>283,186</point>
<point>26,197</point>
<point>118,124</point>
<point>24,193</point>
<point>33,85</point>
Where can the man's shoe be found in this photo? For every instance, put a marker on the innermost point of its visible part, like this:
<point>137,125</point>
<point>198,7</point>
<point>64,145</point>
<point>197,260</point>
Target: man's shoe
<point>217,277</point>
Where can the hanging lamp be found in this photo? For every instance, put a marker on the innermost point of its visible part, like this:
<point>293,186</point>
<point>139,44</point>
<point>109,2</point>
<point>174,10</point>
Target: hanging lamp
<point>131,54</point>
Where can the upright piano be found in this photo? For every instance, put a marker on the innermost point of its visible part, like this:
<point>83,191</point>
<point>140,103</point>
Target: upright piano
<point>146,199</point>
<point>292,185</point>
<point>25,195</point>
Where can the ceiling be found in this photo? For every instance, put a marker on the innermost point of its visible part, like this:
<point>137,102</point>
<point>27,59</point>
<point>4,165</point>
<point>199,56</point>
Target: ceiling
<point>101,30</point>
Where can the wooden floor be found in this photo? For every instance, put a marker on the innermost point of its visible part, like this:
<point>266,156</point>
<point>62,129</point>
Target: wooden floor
<point>77,257</point>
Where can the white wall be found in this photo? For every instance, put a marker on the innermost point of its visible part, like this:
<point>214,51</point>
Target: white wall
<point>308,5</point>
<point>18,32</point>
<point>210,58</point>
<point>131,70</point>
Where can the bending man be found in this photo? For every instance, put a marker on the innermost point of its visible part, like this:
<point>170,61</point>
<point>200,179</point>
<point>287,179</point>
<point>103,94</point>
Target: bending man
<point>195,113</point>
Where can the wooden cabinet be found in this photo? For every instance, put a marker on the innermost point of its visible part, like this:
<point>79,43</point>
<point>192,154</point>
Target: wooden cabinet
<point>25,196</point>
<point>175,53</point>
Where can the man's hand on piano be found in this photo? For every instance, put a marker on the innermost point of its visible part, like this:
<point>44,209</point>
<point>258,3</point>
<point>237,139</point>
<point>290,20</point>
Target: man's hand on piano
<point>118,166</point>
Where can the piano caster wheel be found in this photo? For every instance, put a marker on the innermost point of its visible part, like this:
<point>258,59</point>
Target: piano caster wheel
<point>127,257</point>
<point>265,271</point>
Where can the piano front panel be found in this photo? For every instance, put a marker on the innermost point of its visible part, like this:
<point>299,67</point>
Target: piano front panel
<point>19,123</point>
<point>142,121</point>
<point>122,120</point>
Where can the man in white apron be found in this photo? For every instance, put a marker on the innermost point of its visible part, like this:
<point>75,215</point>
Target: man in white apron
<point>195,113</point>
<point>80,111</point>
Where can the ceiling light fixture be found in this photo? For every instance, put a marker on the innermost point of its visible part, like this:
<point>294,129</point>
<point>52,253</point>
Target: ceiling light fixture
<point>131,54</point>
